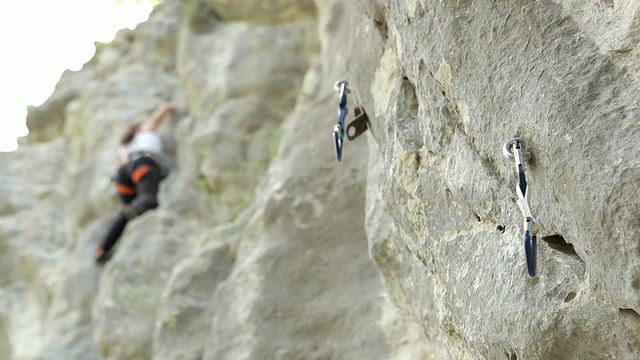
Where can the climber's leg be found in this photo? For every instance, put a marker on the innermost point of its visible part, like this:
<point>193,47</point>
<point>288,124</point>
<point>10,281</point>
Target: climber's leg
<point>146,176</point>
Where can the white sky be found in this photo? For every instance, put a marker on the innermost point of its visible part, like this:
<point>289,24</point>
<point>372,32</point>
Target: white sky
<point>40,39</point>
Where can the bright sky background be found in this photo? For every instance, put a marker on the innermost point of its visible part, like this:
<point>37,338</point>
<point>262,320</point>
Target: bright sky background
<point>40,39</point>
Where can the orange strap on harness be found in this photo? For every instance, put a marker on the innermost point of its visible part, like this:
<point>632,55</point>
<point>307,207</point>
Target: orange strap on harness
<point>125,190</point>
<point>139,172</point>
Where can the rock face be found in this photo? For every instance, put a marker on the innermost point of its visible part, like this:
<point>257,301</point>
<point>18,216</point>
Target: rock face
<point>265,247</point>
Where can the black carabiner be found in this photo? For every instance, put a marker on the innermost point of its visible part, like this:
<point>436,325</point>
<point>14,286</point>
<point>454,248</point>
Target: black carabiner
<point>530,249</point>
<point>337,141</point>
<point>339,129</point>
<point>355,128</point>
<point>522,180</point>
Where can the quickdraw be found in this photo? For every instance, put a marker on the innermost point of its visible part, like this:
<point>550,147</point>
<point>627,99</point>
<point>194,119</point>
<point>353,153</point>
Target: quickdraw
<point>514,150</point>
<point>356,128</point>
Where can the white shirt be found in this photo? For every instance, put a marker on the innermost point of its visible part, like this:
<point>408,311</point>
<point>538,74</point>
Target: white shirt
<point>145,141</point>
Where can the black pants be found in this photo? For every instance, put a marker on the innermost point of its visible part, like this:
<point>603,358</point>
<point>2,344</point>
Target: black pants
<point>137,183</point>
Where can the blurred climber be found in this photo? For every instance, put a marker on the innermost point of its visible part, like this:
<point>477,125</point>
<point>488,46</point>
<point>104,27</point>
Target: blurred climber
<point>138,178</point>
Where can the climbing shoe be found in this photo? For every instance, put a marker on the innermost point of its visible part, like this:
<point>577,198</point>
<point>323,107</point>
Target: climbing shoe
<point>101,256</point>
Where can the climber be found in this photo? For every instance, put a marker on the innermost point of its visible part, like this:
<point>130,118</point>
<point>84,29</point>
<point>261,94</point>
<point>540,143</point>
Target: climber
<point>138,176</point>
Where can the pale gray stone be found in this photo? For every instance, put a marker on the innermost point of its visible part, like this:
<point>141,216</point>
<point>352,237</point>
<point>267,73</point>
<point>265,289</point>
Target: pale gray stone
<point>265,247</point>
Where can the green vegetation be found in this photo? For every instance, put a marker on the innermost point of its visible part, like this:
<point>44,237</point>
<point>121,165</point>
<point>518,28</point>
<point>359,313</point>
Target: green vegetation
<point>233,229</point>
<point>140,297</point>
<point>201,182</point>
<point>199,16</point>
<point>273,144</point>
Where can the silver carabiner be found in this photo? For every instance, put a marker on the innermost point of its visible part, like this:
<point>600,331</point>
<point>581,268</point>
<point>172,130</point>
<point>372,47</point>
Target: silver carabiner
<point>507,150</point>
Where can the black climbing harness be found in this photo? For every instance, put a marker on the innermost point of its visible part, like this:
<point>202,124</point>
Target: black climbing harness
<point>514,149</point>
<point>356,128</point>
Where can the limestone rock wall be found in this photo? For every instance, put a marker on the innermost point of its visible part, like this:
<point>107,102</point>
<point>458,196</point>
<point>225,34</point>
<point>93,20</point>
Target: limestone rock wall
<point>265,247</point>
<point>461,79</point>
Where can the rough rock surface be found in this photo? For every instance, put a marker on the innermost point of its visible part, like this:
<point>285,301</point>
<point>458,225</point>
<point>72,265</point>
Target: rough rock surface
<point>265,247</point>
